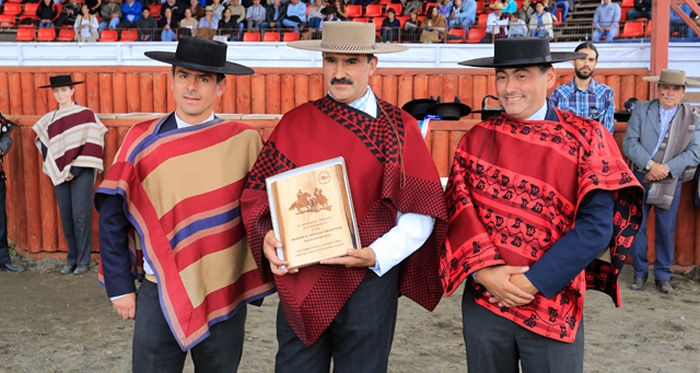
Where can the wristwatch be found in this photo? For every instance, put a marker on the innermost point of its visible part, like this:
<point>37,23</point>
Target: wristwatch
<point>648,166</point>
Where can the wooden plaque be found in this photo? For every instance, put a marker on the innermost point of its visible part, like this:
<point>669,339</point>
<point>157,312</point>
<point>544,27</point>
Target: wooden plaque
<point>312,213</point>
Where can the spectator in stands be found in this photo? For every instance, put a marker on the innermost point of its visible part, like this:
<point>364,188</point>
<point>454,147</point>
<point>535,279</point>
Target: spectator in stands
<point>516,27</point>
<point>111,15</point>
<point>94,5</point>
<point>433,26</point>
<point>197,10</point>
<point>412,27</point>
<point>176,7</point>
<point>331,16</point>
<point>390,27</point>
<point>642,9</point>
<point>255,15</point>
<point>315,15</point>
<point>208,24</point>
<point>462,14</point>
<point>408,5</point>
<point>443,7</point>
<point>86,26</point>
<point>341,11</point>
<point>131,12</point>
<point>541,22</point>
<point>188,24</point>
<point>228,26</point>
<point>69,13</point>
<point>218,9</point>
<point>605,21</point>
<point>238,13</point>
<point>147,26</point>
<point>678,25</point>
<point>47,13</point>
<point>510,6</point>
<point>554,5</point>
<point>296,15</point>
<point>168,24</point>
<point>274,15</point>
<point>584,96</point>
<point>526,11</point>
<point>496,23</point>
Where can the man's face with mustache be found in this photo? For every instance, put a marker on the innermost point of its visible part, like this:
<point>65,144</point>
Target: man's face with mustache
<point>347,75</point>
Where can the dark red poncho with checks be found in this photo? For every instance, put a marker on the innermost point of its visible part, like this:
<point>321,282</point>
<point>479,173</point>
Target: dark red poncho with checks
<point>325,129</point>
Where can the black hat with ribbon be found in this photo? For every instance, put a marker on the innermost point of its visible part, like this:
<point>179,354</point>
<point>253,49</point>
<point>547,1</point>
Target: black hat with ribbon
<point>201,54</point>
<point>449,110</point>
<point>510,52</point>
<point>418,107</point>
<point>60,81</point>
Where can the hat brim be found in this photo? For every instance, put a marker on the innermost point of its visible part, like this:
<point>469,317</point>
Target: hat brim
<point>229,68</point>
<point>60,85</point>
<point>657,79</point>
<point>316,45</point>
<point>622,116</point>
<point>463,109</point>
<point>555,57</point>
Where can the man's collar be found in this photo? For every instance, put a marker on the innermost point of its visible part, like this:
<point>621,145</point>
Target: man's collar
<point>540,114</point>
<point>182,124</point>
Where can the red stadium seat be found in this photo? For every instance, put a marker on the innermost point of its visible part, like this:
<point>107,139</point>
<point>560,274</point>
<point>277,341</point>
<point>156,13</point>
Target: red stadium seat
<point>354,11</point>
<point>12,9</point>
<point>251,36</point>
<point>397,8</point>
<point>7,21</point>
<point>632,29</point>
<point>14,1</point>
<point>46,34</point>
<point>458,36</point>
<point>155,10</point>
<point>402,19</point>
<point>30,10</point>
<point>290,36</point>
<point>129,34</point>
<point>378,22</point>
<point>373,10</point>
<point>109,35</point>
<point>427,6</point>
<point>627,3</point>
<point>360,19</point>
<point>66,34</point>
<point>482,19</point>
<point>476,34</point>
<point>25,33</point>
<point>271,36</point>
<point>648,29</point>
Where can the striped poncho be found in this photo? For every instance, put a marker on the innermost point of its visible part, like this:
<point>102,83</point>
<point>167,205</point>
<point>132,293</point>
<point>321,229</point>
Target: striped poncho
<point>181,192</point>
<point>72,136</point>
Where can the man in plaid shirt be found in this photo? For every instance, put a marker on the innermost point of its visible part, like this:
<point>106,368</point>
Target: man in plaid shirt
<point>584,96</point>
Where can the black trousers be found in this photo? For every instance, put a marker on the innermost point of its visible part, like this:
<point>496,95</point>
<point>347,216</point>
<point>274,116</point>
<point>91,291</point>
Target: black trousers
<point>4,249</point>
<point>359,338</point>
<point>496,344</point>
<point>155,349</point>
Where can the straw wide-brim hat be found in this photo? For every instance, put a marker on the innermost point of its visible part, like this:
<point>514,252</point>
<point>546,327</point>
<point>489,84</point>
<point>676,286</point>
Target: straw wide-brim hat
<point>672,77</point>
<point>208,8</point>
<point>348,38</point>
<point>509,52</point>
<point>201,54</point>
<point>497,5</point>
<point>60,81</point>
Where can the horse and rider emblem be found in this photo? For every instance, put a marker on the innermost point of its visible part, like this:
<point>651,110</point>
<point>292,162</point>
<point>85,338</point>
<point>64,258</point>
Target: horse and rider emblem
<point>310,203</point>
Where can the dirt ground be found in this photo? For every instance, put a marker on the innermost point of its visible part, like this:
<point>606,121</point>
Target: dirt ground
<point>55,323</point>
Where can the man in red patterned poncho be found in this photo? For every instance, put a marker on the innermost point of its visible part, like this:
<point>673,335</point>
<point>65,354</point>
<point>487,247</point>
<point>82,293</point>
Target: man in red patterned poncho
<point>534,197</point>
<point>345,309</point>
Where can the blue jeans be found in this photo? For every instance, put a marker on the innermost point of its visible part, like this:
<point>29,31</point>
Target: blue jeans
<point>538,33</point>
<point>634,14</point>
<point>564,9</point>
<point>290,23</point>
<point>314,22</point>
<point>167,35</point>
<point>664,228</point>
<point>113,23</point>
<point>609,34</point>
<point>45,24</point>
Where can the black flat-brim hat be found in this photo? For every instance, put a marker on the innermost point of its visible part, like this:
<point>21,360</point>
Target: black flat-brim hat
<point>449,110</point>
<point>201,54</point>
<point>60,81</point>
<point>509,52</point>
<point>418,107</point>
<point>329,10</point>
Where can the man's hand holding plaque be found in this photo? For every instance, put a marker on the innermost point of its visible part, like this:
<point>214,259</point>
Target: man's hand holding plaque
<point>355,258</point>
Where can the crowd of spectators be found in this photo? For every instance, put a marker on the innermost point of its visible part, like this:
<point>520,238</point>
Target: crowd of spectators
<point>399,21</point>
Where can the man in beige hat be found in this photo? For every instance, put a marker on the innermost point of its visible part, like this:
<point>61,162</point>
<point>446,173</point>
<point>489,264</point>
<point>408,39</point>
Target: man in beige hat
<point>345,309</point>
<point>496,23</point>
<point>663,142</point>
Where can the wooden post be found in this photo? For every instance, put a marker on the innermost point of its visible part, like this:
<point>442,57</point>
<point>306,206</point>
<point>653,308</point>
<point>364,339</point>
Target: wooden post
<point>287,89</point>
<point>257,93</point>
<point>119,92</point>
<point>243,94</point>
<point>160,95</point>
<point>27,92</point>
<point>106,98</point>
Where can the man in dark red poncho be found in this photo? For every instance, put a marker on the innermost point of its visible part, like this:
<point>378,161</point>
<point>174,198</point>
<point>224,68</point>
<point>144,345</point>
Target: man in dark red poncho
<point>345,308</point>
<point>535,196</point>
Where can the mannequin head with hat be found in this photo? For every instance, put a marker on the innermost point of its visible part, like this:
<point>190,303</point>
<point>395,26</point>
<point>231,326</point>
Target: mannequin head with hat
<point>348,57</point>
<point>524,73</point>
<point>199,68</point>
